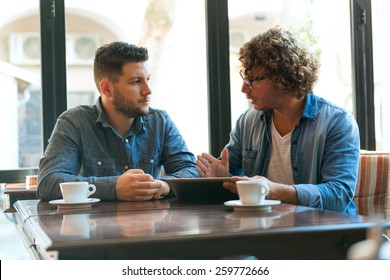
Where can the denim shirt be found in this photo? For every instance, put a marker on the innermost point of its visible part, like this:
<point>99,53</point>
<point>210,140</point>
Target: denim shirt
<point>325,146</point>
<point>85,147</point>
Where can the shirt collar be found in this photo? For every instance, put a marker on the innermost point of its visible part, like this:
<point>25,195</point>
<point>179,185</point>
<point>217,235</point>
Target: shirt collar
<point>101,118</point>
<point>310,111</point>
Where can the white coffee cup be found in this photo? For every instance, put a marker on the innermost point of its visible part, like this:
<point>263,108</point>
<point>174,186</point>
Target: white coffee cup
<point>252,191</point>
<point>74,192</point>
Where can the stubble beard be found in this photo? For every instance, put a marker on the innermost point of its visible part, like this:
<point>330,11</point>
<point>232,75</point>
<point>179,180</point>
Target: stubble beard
<point>128,108</point>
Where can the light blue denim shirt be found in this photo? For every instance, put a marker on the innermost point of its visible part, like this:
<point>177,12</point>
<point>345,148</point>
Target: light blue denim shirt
<point>85,147</point>
<point>325,146</point>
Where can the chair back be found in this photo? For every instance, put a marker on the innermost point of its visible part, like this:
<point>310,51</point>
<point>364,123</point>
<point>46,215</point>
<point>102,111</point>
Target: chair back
<point>372,196</point>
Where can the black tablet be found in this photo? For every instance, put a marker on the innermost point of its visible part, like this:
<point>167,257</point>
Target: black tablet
<point>201,189</point>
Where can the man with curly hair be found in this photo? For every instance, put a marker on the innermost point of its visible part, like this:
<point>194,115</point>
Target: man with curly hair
<point>304,146</point>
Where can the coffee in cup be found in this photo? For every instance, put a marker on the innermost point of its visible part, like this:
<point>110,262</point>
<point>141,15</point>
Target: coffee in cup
<point>252,191</point>
<point>75,192</point>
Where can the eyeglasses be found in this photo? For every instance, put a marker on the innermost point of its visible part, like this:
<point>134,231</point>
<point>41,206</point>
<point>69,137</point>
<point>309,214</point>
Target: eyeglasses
<point>249,82</point>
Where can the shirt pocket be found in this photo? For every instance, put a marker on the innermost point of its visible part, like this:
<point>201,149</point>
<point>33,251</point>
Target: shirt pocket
<point>99,167</point>
<point>150,164</point>
<point>248,162</point>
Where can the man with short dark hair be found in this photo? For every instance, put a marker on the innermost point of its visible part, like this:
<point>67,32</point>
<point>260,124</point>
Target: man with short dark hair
<point>119,144</point>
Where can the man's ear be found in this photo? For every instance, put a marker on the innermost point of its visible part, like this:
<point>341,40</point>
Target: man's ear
<point>106,88</point>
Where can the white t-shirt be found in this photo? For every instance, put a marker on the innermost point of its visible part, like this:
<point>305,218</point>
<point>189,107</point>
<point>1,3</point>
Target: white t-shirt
<point>279,169</point>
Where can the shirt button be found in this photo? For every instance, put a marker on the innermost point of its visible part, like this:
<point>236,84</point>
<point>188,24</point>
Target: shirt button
<point>99,163</point>
<point>126,167</point>
<point>127,140</point>
<point>152,160</point>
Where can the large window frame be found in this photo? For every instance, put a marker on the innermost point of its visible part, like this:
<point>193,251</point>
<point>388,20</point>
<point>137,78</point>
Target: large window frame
<point>363,71</point>
<point>53,59</point>
<point>54,69</point>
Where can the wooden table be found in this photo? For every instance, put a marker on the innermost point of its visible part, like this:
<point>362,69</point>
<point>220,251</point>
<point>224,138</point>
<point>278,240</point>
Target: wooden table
<point>169,229</point>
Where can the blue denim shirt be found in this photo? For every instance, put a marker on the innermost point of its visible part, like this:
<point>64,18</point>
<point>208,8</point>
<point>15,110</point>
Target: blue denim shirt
<point>325,146</point>
<point>85,147</point>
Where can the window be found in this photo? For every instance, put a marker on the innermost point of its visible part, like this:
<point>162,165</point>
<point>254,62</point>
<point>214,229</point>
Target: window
<point>20,78</point>
<point>164,27</point>
<point>173,32</point>
<point>381,41</point>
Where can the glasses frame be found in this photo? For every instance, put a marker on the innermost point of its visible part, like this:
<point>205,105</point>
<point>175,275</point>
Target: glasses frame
<point>249,82</point>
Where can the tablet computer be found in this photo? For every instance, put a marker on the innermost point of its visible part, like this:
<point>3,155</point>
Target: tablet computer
<point>201,189</point>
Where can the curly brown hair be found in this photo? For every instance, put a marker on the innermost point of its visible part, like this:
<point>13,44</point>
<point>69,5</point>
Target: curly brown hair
<point>283,58</point>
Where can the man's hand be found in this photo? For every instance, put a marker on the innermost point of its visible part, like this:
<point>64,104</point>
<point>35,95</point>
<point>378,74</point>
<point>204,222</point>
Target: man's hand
<point>209,166</point>
<point>277,191</point>
<point>163,189</point>
<point>135,185</point>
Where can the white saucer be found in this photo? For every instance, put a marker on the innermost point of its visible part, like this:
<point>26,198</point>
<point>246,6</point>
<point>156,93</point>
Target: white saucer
<point>265,206</point>
<point>87,203</point>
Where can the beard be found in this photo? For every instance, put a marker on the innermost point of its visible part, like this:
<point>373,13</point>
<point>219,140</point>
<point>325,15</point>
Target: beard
<point>128,107</point>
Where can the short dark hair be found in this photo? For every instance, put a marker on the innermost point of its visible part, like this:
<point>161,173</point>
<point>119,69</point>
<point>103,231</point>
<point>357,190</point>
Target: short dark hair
<point>110,58</point>
<point>284,60</point>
